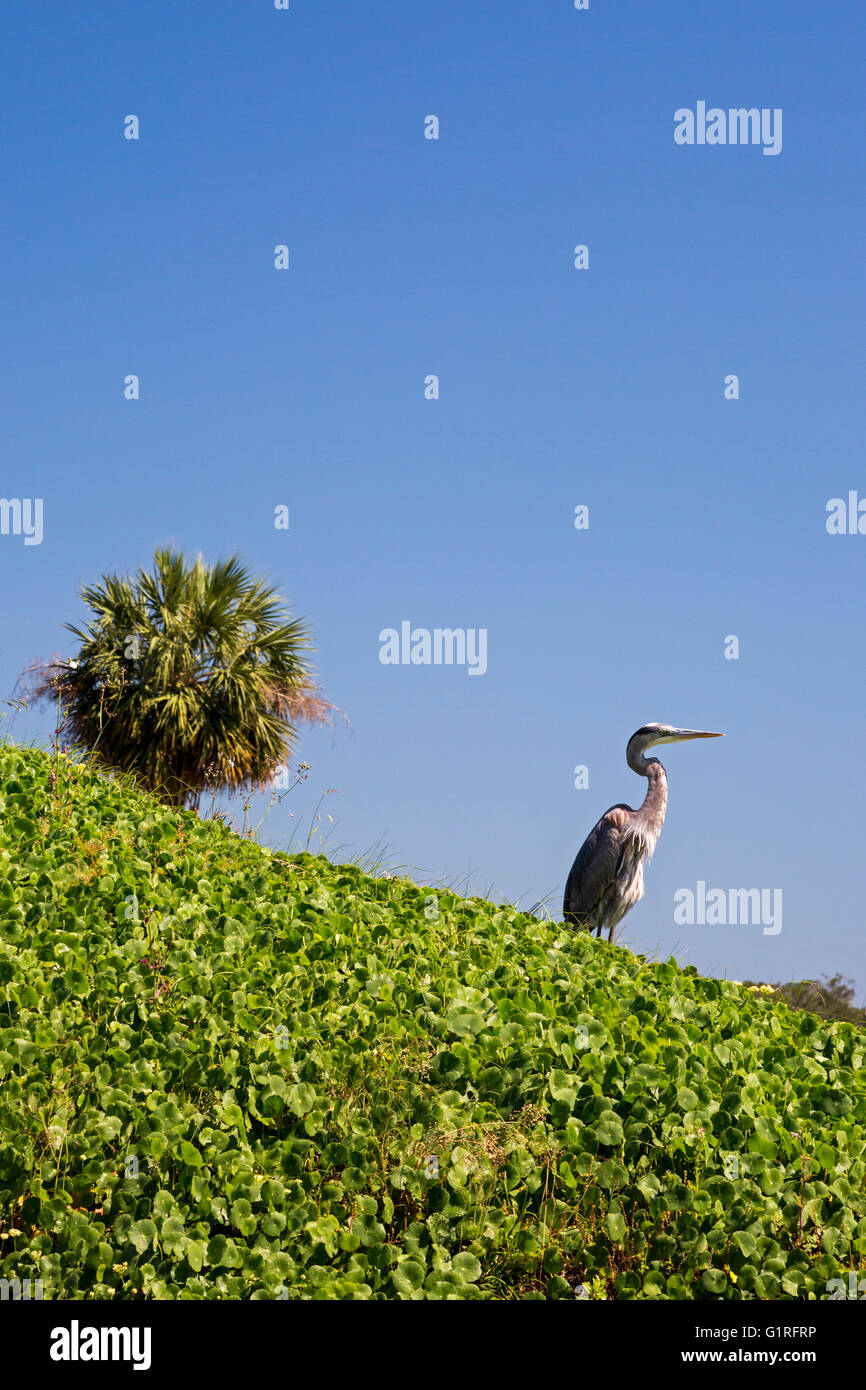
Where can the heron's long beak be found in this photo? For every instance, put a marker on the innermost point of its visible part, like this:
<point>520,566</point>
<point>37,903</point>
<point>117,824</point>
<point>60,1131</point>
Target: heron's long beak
<point>680,735</point>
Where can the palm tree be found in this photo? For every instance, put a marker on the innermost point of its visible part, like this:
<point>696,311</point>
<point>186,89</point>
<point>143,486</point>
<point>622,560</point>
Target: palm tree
<point>193,676</point>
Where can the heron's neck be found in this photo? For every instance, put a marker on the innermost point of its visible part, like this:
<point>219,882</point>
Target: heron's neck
<point>652,812</point>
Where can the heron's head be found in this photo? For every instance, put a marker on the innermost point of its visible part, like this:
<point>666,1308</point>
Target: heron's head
<point>651,734</point>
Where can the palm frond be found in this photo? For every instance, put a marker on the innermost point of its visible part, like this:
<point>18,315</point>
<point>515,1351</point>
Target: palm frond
<point>188,675</point>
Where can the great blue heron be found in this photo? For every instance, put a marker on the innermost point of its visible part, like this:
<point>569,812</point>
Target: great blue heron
<point>606,878</point>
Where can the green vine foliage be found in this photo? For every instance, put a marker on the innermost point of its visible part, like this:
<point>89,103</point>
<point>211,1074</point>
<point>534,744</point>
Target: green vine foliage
<point>232,1073</point>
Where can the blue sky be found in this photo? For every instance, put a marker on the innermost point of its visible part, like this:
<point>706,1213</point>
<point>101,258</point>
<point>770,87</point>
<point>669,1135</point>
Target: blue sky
<point>558,387</point>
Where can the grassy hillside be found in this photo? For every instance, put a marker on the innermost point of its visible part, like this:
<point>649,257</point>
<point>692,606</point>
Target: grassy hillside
<point>228,1073</point>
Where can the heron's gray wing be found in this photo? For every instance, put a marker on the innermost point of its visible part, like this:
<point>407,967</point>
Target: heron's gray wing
<point>593,873</point>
